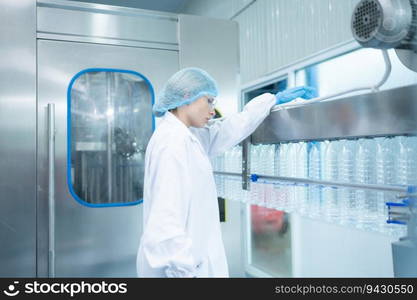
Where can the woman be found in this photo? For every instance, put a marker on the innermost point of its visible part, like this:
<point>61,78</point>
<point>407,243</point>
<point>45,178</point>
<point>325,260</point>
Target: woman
<point>182,236</point>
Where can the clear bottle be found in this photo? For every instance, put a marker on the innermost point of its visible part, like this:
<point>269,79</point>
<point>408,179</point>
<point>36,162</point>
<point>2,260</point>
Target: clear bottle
<point>284,195</point>
<point>347,171</point>
<point>366,173</point>
<point>238,169</point>
<point>217,176</point>
<point>254,186</point>
<point>271,163</point>
<point>407,162</point>
<point>262,186</point>
<point>232,162</point>
<point>269,170</point>
<point>330,173</point>
<point>277,191</point>
<point>301,172</point>
<point>292,172</point>
<point>314,172</point>
<point>385,175</point>
<point>407,166</point>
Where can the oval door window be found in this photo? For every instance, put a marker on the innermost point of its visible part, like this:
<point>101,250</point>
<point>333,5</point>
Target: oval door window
<point>110,122</point>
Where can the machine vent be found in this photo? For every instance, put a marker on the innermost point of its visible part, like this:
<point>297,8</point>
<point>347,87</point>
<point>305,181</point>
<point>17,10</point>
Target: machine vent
<point>367,19</point>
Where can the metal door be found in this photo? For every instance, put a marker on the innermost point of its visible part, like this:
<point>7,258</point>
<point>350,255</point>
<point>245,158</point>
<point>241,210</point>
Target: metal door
<point>76,239</point>
<point>17,139</point>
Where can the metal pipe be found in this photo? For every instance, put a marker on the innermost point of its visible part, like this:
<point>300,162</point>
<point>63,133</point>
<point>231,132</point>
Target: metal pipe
<point>228,174</point>
<point>109,138</point>
<point>51,190</point>
<point>406,196</point>
<point>374,88</point>
<point>376,187</point>
<point>361,186</point>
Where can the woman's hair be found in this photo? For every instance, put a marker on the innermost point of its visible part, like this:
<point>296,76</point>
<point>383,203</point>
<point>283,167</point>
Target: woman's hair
<point>184,87</point>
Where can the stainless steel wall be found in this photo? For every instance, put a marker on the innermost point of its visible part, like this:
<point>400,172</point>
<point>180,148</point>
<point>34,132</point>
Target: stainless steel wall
<point>18,138</point>
<point>94,23</point>
<point>216,8</point>
<point>201,46</point>
<point>275,33</point>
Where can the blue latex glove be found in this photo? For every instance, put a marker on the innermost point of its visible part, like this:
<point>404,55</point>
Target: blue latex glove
<point>304,92</point>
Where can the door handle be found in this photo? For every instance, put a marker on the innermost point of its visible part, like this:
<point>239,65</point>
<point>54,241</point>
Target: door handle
<point>51,190</point>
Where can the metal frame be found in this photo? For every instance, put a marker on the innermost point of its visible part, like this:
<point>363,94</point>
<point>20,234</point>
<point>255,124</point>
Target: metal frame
<point>104,8</point>
<point>51,189</point>
<point>69,142</point>
<point>73,15</point>
<point>18,188</point>
<point>359,186</point>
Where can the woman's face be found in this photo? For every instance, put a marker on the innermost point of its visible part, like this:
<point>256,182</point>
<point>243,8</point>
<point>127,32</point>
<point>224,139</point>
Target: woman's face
<point>200,111</point>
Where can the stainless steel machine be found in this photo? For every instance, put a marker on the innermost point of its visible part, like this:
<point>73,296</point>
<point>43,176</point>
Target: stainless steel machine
<point>77,84</point>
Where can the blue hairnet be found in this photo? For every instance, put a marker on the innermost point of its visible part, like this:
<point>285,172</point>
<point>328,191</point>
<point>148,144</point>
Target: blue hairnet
<point>184,87</point>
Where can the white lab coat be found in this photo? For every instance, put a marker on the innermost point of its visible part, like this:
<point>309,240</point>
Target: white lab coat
<point>182,234</point>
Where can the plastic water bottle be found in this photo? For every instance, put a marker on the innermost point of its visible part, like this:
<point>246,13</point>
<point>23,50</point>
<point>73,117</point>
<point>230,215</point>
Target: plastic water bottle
<point>232,179</point>
<point>301,172</point>
<point>292,172</point>
<point>262,161</point>
<point>366,173</point>
<point>269,170</point>
<point>238,169</point>
<point>260,201</point>
<point>274,185</point>
<point>330,173</point>
<point>277,198</point>
<point>254,186</point>
<point>347,172</point>
<point>386,161</point>
<point>283,194</point>
<point>314,172</point>
<point>386,153</point>
<point>407,164</point>
<point>218,178</point>
<point>270,164</point>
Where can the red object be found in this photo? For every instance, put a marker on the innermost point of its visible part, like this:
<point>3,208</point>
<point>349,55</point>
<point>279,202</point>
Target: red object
<point>266,220</point>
